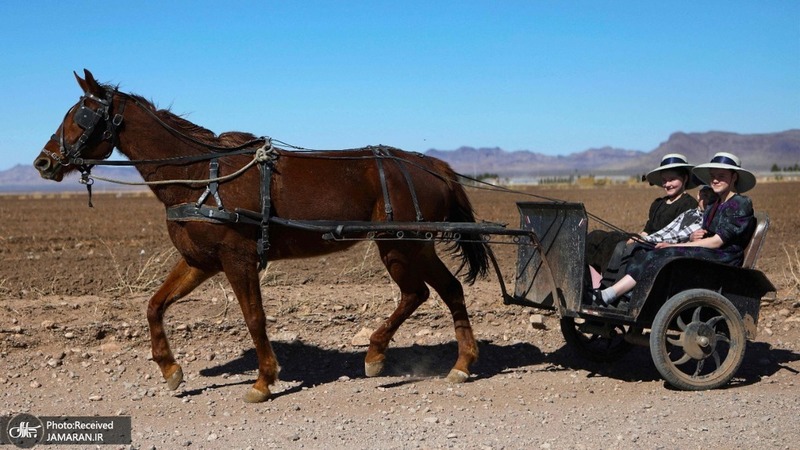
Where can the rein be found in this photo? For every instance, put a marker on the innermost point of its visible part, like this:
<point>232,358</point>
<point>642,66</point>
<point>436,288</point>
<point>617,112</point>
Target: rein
<point>262,154</point>
<point>244,148</point>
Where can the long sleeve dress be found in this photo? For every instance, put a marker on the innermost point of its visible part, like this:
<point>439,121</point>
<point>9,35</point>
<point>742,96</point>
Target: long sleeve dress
<point>733,221</point>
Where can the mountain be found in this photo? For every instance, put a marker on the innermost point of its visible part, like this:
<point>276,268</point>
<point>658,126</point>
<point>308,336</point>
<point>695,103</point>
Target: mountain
<point>523,163</point>
<point>759,152</point>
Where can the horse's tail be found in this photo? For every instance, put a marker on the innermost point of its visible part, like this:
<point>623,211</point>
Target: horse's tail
<point>471,247</point>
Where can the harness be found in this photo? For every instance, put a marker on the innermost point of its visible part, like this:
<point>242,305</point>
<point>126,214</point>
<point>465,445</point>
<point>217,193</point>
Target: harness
<point>198,211</point>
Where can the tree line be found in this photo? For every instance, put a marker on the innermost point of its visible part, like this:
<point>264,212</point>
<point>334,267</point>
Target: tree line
<point>777,168</point>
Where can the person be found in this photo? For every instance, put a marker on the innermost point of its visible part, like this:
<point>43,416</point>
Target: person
<point>674,176</point>
<point>727,227</point>
<point>687,223</point>
<point>682,229</point>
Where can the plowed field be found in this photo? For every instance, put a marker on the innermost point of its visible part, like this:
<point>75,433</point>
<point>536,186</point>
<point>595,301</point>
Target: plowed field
<point>74,283</point>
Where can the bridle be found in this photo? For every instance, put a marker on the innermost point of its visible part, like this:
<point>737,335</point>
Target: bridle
<point>88,119</point>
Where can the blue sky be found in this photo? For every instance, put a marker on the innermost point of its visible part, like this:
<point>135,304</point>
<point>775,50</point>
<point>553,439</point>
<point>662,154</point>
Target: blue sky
<point>554,77</point>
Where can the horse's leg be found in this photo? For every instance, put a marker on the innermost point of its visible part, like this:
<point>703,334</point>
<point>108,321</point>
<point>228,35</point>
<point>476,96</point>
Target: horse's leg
<point>246,286</point>
<point>413,293</point>
<point>439,277</point>
<point>180,282</point>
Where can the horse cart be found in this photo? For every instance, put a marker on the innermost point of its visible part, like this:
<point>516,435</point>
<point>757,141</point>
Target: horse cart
<point>261,202</point>
<point>695,315</point>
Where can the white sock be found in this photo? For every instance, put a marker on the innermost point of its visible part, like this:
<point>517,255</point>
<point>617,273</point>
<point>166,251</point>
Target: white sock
<point>608,294</point>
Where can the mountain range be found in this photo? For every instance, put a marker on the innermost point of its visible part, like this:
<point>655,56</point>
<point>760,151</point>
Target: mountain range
<point>759,153</point>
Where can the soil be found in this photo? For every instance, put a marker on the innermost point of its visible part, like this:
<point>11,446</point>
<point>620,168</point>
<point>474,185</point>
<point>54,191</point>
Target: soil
<point>74,282</point>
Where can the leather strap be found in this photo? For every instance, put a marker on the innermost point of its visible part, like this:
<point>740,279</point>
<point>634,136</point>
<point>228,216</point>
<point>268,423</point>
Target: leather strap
<point>191,212</point>
<point>404,170</point>
<point>263,242</point>
<point>379,153</point>
<point>212,188</point>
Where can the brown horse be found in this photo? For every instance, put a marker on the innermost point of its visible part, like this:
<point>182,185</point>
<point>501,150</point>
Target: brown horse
<point>352,185</point>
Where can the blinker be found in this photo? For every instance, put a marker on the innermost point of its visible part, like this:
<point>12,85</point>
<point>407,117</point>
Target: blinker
<point>86,118</point>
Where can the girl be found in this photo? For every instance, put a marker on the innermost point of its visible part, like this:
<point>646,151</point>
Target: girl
<point>674,175</point>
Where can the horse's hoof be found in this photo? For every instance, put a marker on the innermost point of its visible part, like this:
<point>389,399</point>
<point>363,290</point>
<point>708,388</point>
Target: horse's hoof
<point>175,380</point>
<point>373,369</point>
<point>457,376</point>
<point>255,396</point>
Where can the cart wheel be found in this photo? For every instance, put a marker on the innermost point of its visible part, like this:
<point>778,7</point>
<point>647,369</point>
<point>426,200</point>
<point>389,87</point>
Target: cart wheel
<point>697,340</point>
<point>594,340</point>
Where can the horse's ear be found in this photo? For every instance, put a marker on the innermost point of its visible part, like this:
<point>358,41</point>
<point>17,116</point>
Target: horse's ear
<point>81,81</point>
<point>89,84</point>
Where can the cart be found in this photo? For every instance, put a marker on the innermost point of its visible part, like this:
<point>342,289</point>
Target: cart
<point>695,315</point>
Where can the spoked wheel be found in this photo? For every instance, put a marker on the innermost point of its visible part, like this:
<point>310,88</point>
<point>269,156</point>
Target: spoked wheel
<point>595,340</point>
<point>698,340</point>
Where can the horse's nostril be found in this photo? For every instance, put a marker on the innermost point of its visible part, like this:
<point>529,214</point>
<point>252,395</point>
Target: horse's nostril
<point>42,163</point>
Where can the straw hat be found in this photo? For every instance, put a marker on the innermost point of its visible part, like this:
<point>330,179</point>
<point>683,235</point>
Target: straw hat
<point>672,161</point>
<point>723,160</point>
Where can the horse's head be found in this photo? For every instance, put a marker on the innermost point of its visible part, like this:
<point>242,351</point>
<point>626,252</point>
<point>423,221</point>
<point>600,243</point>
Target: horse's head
<point>81,136</point>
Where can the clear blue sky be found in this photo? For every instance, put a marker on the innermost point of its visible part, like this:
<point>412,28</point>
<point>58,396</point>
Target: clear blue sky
<point>554,77</point>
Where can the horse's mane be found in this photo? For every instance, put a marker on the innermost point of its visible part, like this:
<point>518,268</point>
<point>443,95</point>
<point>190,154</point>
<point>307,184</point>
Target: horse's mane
<point>226,139</point>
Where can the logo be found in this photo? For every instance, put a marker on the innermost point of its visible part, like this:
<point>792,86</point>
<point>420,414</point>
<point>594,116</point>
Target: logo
<point>25,430</point>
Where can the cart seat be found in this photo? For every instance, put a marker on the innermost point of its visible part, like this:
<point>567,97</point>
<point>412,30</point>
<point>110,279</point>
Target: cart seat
<point>757,241</point>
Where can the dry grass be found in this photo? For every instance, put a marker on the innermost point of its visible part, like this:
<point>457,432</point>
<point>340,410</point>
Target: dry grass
<point>367,268</point>
<point>273,276</point>
<point>140,277</point>
<point>792,269</point>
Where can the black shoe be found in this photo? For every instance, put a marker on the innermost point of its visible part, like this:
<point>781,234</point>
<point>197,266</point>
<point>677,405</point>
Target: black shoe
<point>596,298</point>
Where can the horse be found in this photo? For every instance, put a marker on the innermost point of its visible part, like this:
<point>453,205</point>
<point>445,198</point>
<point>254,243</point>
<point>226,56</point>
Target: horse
<point>201,177</point>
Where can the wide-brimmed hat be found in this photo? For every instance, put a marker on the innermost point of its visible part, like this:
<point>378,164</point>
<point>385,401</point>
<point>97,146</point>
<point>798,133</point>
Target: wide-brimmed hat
<point>723,160</point>
<point>672,161</point>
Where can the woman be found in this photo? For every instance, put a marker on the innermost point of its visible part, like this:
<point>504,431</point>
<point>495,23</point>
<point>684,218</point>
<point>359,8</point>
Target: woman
<point>675,176</point>
<point>727,227</point>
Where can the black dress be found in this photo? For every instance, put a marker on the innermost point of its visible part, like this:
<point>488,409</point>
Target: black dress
<point>600,244</point>
<point>662,213</point>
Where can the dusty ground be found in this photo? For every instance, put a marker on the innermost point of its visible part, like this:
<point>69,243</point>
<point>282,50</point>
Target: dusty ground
<point>74,283</point>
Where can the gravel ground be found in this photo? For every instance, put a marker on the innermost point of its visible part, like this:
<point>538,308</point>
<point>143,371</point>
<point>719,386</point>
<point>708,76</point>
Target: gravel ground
<point>527,390</point>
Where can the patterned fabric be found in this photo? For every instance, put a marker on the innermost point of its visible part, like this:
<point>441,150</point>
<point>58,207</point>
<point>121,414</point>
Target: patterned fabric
<point>679,230</point>
<point>733,222</point>
<point>662,213</point>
